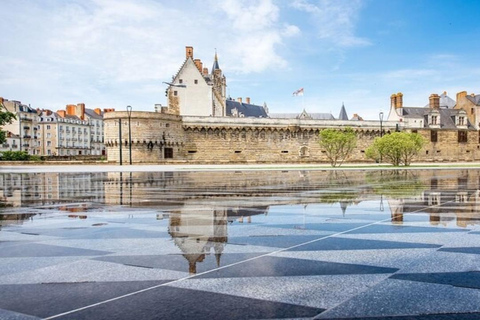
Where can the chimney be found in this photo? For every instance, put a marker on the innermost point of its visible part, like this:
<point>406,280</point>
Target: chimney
<point>98,111</point>
<point>239,100</point>
<point>399,100</point>
<point>434,101</point>
<point>189,52</point>
<point>80,111</point>
<point>71,109</point>
<point>61,113</point>
<point>198,64</point>
<point>461,95</point>
<point>108,110</point>
<point>248,100</point>
<point>1,100</point>
<point>393,101</point>
<point>205,71</point>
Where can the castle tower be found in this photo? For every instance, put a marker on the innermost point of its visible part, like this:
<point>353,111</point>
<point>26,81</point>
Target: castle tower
<point>219,89</point>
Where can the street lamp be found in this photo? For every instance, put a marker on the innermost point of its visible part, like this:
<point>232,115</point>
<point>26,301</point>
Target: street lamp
<point>129,113</point>
<point>381,120</point>
<point>120,138</point>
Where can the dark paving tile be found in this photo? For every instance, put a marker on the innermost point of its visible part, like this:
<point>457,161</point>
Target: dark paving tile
<point>383,228</point>
<point>337,243</point>
<point>175,303</point>
<point>271,241</point>
<point>179,262</point>
<point>277,267</point>
<point>437,316</point>
<point>457,279</point>
<point>43,300</point>
<point>28,249</point>
<point>472,250</point>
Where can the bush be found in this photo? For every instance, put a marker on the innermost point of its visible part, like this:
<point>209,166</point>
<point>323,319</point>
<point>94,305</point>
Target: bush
<point>396,148</point>
<point>17,156</point>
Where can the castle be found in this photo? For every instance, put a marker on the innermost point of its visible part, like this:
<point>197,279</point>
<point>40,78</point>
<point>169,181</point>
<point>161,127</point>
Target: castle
<point>201,124</point>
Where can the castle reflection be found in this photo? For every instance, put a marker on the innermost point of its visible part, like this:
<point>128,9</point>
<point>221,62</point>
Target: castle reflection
<point>201,205</point>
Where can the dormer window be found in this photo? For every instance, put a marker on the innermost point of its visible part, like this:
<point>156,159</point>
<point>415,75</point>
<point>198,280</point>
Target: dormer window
<point>461,121</point>
<point>434,120</point>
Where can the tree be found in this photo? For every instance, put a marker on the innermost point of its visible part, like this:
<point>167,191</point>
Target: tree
<point>396,148</point>
<point>6,117</point>
<point>338,144</point>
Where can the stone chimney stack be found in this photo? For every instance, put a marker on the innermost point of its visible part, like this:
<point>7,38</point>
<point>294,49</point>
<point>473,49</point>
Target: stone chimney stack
<point>247,100</point>
<point>61,113</point>
<point>198,64</point>
<point>98,111</point>
<point>461,95</point>
<point>189,52</point>
<point>239,100</point>
<point>205,71</point>
<point>393,100</point>
<point>434,101</point>
<point>399,100</point>
<point>70,109</point>
<point>80,110</point>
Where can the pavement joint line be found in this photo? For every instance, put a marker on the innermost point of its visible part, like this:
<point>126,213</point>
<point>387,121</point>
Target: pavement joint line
<point>223,267</point>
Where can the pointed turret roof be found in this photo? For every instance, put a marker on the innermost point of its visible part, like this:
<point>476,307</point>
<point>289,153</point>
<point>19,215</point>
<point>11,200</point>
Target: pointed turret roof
<point>215,63</point>
<point>343,113</point>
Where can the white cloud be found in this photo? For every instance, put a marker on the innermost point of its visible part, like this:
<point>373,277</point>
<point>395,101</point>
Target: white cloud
<point>334,20</point>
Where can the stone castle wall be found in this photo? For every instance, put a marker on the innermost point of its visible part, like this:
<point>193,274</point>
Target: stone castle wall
<point>160,138</point>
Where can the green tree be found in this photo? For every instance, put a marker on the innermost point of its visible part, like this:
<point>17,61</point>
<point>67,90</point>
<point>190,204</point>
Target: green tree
<point>338,144</point>
<point>396,148</point>
<point>6,117</point>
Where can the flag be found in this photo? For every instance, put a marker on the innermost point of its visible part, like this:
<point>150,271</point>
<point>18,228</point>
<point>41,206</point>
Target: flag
<point>298,92</point>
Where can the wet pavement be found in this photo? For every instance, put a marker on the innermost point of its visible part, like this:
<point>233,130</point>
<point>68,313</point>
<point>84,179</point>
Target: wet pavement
<point>240,244</point>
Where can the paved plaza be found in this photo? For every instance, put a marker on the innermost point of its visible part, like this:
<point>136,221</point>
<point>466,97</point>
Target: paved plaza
<point>234,243</point>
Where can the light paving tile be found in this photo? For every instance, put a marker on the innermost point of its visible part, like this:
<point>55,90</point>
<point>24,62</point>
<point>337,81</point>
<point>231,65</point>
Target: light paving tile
<point>313,291</point>
<point>399,297</point>
<point>392,258</point>
<point>89,271</point>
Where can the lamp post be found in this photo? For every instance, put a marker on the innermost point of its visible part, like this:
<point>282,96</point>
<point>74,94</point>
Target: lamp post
<point>129,113</point>
<point>120,138</point>
<point>380,115</point>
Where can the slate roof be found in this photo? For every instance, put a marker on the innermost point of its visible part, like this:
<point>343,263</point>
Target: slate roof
<point>447,116</point>
<point>445,101</point>
<point>313,116</point>
<point>92,114</point>
<point>475,99</point>
<point>343,113</point>
<point>247,110</point>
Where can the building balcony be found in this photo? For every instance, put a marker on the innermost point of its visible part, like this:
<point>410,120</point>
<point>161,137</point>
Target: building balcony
<point>25,145</point>
<point>26,136</point>
<point>5,145</point>
<point>25,119</point>
<point>14,146</point>
<point>26,127</point>
<point>35,128</point>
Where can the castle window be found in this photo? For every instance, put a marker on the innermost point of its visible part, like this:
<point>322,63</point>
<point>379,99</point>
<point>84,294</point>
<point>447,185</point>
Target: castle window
<point>434,119</point>
<point>472,111</point>
<point>462,136</point>
<point>238,151</point>
<point>433,136</point>
<point>168,153</point>
<point>180,81</point>
<point>284,151</point>
<point>195,81</point>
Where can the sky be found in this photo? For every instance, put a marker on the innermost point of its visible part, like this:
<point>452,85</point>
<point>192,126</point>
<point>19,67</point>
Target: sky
<point>114,53</point>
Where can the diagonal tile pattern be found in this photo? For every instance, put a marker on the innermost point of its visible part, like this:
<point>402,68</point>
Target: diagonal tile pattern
<point>236,257</point>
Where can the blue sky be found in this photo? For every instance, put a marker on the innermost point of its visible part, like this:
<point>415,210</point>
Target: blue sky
<point>114,53</point>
